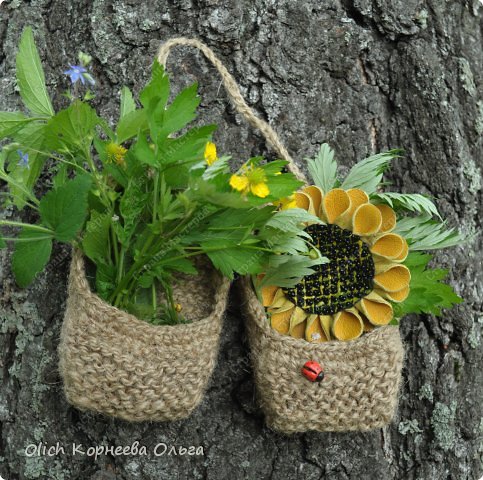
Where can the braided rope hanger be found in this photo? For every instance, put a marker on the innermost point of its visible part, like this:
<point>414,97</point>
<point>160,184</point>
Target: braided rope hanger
<point>236,97</point>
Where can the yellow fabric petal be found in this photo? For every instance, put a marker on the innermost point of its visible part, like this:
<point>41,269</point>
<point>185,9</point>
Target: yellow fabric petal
<point>281,321</point>
<point>239,183</point>
<point>397,297</point>
<point>366,220</point>
<point>404,253</point>
<point>260,190</point>
<point>304,201</point>
<point>377,310</point>
<point>382,264</point>
<point>326,324</point>
<point>394,279</point>
<point>316,194</point>
<point>358,197</point>
<point>313,330</point>
<point>335,203</point>
<point>347,325</point>
<point>298,318</point>
<point>298,331</point>
<point>268,294</point>
<point>368,326</point>
<point>388,218</point>
<point>282,306</point>
<point>389,245</point>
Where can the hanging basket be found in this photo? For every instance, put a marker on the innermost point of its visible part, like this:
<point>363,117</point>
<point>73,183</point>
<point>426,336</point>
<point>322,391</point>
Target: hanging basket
<point>359,390</point>
<point>115,364</point>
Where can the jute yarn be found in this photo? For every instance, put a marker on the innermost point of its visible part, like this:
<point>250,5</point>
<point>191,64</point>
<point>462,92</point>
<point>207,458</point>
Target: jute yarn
<point>115,364</point>
<point>360,391</point>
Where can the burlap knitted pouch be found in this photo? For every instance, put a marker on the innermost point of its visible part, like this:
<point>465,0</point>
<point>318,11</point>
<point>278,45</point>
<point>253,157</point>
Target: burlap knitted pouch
<point>115,364</point>
<point>360,388</point>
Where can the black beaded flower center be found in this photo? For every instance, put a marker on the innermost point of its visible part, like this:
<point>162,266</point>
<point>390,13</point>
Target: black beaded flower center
<point>340,284</point>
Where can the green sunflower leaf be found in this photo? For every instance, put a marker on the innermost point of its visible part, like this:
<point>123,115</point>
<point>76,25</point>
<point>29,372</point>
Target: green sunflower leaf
<point>31,78</point>
<point>412,202</point>
<point>291,220</point>
<point>427,292</point>
<point>287,270</point>
<point>323,168</point>
<point>424,233</point>
<point>367,174</point>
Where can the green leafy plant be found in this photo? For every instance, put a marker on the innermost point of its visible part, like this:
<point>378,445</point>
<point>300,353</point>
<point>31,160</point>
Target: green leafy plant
<point>143,198</point>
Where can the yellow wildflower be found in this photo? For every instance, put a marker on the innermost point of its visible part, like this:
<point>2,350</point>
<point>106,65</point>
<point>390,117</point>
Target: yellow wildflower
<point>286,203</point>
<point>116,153</point>
<point>250,179</point>
<point>210,153</point>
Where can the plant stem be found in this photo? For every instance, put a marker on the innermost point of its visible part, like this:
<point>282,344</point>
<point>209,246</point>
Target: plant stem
<point>114,244</point>
<point>27,226</point>
<point>8,179</point>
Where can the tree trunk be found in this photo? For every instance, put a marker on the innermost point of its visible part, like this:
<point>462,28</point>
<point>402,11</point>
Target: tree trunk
<point>363,75</point>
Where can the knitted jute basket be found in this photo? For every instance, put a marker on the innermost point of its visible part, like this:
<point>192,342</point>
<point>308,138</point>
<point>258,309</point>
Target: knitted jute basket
<point>360,390</point>
<point>115,364</point>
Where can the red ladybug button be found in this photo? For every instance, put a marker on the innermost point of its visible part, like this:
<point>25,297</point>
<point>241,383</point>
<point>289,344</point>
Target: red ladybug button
<point>313,371</point>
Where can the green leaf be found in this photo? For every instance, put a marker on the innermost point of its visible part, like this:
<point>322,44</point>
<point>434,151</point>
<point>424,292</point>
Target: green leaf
<point>95,243</point>
<point>105,280</point>
<point>323,168</point>
<point>131,125</point>
<point>427,293</point>
<point>412,202</point>
<point>64,209</point>
<point>156,92</point>
<point>143,152</point>
<point>72,128</point>
<point>221,166</point>
<point>12,122</point>
<point>131,207</point>
<point>2,243</point>
<point>30,140</point>
<point>367,174</point>
<point>181,111</point>
<point>424,233</point>
<point>30,257</point>
<point>288,270</point>
<point>128,104</point>
<point>31,78</point>
<point>187,148</point>
<point>235,259</point>
<point>292,220</point>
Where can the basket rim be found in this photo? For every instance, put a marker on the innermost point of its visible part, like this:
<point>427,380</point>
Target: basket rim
<point>377,335</point>
<point>78,281</point>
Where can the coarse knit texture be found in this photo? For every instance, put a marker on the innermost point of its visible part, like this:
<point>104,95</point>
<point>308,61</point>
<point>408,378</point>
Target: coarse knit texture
<point>115,364</point>
<point>360,387</point>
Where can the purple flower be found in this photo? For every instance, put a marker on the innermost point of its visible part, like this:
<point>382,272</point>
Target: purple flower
<point>24,159</point>
<point>78,72</point>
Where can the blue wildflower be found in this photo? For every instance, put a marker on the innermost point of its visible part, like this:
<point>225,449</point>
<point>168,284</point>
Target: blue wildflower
<point>24,159</point>
<point>78,72</point>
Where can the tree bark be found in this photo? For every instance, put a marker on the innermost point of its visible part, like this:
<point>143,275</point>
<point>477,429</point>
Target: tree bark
<point>363,75</point>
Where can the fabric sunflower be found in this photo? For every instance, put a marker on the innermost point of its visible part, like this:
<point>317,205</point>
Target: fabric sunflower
<point>353,292</point>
